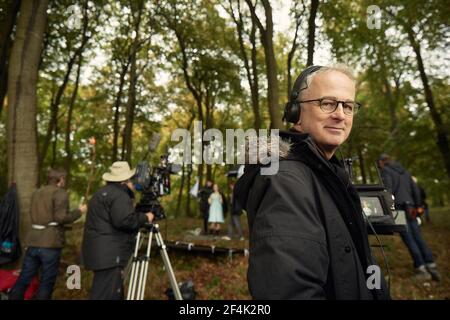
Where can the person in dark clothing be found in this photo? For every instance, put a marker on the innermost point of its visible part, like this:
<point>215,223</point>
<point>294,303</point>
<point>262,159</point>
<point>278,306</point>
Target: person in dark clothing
<point>407,198</point>
<point>308,239</point>
<point>109,232</point>
<point>235,218</point>
<point>49,212</point>
<point>203,196</point>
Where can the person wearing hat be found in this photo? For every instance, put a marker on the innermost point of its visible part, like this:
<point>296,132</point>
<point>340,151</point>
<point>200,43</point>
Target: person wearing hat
<point>109,231</point>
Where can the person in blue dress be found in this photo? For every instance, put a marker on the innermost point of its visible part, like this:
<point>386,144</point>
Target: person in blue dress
<point>216,218</point>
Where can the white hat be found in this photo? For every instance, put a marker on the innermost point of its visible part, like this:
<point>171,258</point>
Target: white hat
<point>119,171</point>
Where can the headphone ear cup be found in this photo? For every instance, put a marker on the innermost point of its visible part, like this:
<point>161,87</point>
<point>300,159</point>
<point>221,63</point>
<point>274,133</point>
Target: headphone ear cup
<point>292,112</point>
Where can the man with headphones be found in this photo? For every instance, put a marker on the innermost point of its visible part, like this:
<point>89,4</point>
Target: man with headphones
<point>308,239</point>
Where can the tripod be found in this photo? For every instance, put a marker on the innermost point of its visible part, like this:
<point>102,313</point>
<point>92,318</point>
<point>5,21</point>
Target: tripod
<point>139,268</point>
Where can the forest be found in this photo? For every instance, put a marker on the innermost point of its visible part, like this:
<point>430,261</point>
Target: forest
<point>86,83</point>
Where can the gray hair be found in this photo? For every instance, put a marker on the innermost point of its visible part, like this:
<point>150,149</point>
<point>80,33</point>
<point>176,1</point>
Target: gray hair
<point>339,67</point>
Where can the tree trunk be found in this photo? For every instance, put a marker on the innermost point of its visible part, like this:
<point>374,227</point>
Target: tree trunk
<point>54,108</point>
<point>6,30</point>
<point>69,155</point>
<point>271,63</point>
<point>180,192</point>
<point>117,104</point>
<point>131,105</point>
<point>255,87</point>
<point>312,31</point>
<point>290,58</point>
<point>392,106</point>
<point>54,144</point>
<point>127,146</point>
<point>251,78</point>
<point>188,186</point>
<point>22,104</point>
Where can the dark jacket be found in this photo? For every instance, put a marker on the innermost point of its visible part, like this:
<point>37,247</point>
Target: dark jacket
<point>236,208</point>
<point>110,228</point>
<point>204,194</point>
<point>399,181</point>
<point>10,249</point>
<point>307,236</point>
<point>224,204</point>
<point>50,204</point>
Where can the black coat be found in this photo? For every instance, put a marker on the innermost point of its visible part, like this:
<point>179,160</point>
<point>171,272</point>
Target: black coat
<point>307,236</point>
<point>10,249</point>
<point>110,228</point>
<point>399,181</point>
<point>203,195</point>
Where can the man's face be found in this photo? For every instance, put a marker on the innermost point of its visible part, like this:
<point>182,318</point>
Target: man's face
<point>62,182</point>
<point>328,130</point>
<point>130,185</point>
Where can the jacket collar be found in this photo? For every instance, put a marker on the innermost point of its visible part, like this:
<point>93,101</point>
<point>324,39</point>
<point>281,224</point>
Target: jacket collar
<point>122,187</point>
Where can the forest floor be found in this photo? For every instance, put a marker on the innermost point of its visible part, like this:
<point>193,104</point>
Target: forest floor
<point>224,277</point>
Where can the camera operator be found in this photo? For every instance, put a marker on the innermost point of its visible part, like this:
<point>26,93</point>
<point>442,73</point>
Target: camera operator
<point>407,197</point>
<point>308,239</point>
<point>111,224</point>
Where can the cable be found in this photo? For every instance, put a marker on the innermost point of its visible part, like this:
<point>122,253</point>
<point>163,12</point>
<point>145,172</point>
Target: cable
<point>383,254</point>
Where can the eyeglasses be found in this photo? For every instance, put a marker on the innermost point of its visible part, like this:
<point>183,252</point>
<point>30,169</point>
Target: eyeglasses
<point>329,105</point>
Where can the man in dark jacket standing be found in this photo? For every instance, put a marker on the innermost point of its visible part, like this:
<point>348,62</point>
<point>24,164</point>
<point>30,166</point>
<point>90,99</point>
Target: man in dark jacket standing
<point>407,198</point>
<point>49,213</point>
<point>308,239</point>
<point>109,232</point>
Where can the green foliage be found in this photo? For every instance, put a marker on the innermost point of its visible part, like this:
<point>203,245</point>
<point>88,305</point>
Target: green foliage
<point>198,39</point>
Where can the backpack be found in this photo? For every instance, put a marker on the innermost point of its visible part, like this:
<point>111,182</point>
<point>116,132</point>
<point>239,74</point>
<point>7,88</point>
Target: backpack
<point>10,249</point>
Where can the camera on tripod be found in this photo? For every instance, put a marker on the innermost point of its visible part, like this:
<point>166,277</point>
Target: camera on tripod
<point>153,183</point>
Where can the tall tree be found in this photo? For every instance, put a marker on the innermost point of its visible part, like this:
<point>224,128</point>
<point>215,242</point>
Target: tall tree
<point>76,47</point>
<point>407,20</point>
<point>271,62</point>
<point>312,31</point>
<point>295,43</point>
<point>250,64</point>
<point>137,12</point>
<point>7,22</point>
<point>22,103</point>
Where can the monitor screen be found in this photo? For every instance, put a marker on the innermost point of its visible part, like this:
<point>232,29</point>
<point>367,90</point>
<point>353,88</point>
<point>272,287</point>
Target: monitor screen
<point>371,206</point>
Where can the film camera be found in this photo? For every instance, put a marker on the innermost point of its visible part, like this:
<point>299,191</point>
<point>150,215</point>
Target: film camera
<point>378,206</point>
<point>153,183</point>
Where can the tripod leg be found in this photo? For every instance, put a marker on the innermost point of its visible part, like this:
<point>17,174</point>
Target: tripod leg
<point>145,266</point>
<point>127,271</point>
<point>173,281</point>
<point>134,269</point>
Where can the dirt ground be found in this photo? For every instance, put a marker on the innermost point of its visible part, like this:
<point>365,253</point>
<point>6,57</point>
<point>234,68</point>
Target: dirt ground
<point>224,277</point>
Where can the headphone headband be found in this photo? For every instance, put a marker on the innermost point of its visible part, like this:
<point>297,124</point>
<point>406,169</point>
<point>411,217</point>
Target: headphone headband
<point>300,79</point>
<point>292,108</point>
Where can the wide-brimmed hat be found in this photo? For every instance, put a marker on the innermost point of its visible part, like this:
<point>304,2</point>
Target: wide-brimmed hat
<point>119,171</point>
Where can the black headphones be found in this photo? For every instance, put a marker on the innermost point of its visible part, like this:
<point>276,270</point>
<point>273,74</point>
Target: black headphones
<point>292,108</point>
